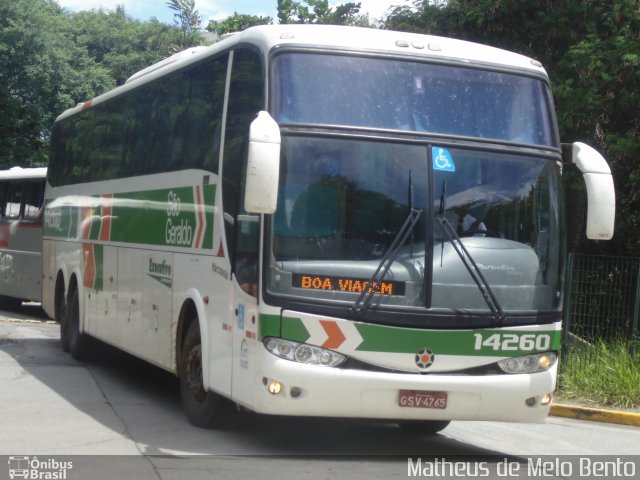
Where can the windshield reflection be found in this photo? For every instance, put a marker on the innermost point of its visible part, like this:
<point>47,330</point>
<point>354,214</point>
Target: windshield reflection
<point>506,210</point>
<point>411,96</point>
<point>342,203</point>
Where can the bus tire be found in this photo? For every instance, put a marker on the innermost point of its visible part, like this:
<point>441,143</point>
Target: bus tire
<point>61,316</point>
<point>424,427</point>
<point>200,406</point>
<point>78,342</point>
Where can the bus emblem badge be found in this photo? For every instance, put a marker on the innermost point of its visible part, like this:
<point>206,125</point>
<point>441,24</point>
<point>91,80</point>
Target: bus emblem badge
<point>425,358</point>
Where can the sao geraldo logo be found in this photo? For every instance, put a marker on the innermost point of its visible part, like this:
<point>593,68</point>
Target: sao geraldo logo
<point>38,469</point>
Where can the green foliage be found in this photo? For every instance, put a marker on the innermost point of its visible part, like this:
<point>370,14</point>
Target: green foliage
<point>51,59</point>
<point>42,72</point>
<point>121,44</point>
<point>318,11</point>
<point>237,23</point>
<point>596,88</point>
<point>601,374</point>
<point>591,50</point>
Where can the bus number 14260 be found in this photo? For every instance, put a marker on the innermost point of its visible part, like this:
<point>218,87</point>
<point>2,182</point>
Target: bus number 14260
<point>512,342</point>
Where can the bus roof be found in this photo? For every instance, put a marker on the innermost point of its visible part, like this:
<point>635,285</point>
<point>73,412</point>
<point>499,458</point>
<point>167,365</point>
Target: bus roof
<point>333,37</point>
<point>19,173</point>
<point>386,41</point>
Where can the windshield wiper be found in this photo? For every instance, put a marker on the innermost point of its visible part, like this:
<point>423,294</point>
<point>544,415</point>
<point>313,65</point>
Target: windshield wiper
<point>468,261</point>
<point>364,300</point>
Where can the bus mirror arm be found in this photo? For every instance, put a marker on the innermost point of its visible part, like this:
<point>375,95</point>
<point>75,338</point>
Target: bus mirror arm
<point>263,165</point>
<point>601,200</point>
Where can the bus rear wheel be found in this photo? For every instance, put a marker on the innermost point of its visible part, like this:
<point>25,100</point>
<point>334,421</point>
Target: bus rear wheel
<point>201,407</point>
<point>62,319</point>
<point>425,427</point>
<point>78,342</point>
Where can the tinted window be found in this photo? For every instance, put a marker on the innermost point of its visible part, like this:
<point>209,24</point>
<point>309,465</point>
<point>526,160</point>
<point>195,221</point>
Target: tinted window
<point>246,99</point>
<point>411,96</point>
<point>13,200</point>
<point>172,123</point>
<point>34,200</point>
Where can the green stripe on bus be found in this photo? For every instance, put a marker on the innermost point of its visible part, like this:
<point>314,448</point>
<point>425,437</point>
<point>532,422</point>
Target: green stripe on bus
<point>482,342</point>
<point>98,255</point>
<point>166,217</point>
<point>60,221</point>
<point>290,328</point>
<point>94,233</point>
<point>209,200</point>
<point>294,329</point>
<point>269,326</point>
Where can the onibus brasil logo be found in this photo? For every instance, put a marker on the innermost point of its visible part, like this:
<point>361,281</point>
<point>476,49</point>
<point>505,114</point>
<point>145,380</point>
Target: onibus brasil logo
<point>36,469</point>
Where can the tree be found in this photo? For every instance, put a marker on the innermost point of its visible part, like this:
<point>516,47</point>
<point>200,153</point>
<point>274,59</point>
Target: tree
<point>318,11</point>
<point>121,44</point>
<point>188,20</point>
<point>544,26</point>
<point>42,73</point>
<point>591,51</point>
<point>596,90</point>
<point>237,23</point>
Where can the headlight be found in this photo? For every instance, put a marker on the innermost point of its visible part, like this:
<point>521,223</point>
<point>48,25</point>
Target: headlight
<point>529,364</point>
<point>303,353</point>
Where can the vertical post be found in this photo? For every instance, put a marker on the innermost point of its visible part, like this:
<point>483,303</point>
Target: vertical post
<point>566,311</point>
<point>636,313</point>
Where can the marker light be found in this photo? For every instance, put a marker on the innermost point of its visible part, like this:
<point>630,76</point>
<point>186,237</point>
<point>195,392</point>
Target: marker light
<point>275,387</point>
<point>529,363</point>
<point>303,353</point>
<point>544,401</point>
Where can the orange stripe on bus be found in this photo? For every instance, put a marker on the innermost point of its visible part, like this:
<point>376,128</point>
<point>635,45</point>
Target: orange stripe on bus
<point>335,335</point>
<point>89,265</point>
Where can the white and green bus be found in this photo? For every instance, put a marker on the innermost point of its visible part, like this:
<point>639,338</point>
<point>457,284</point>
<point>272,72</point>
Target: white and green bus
<point>21,208</point>
<point>323,221</point>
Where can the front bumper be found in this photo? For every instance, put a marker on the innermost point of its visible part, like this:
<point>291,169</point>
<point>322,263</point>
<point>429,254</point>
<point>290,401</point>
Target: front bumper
<point>334,392</point>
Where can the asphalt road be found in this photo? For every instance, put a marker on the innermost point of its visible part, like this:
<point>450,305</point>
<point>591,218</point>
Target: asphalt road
<point>124,418</point>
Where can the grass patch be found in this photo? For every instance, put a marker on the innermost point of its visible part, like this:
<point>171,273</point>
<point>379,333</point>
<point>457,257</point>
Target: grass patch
<point>603,374</point>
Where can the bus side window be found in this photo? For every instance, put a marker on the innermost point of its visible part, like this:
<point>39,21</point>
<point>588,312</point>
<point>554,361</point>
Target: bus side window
<point>203,121</point>
<point>3,198</point>
<point>34,201</point>
<point>246,99</point>
<point>14,200</point>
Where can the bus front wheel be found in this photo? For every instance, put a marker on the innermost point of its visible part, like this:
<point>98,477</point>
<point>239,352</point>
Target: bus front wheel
<point>200,406</point>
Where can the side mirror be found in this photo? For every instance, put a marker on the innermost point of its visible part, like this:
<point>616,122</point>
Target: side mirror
<point>263,165</point>
<point>601,200</point>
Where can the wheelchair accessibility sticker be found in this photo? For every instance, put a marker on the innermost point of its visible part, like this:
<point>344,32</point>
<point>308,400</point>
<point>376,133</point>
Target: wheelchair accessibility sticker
<point>442,160</point>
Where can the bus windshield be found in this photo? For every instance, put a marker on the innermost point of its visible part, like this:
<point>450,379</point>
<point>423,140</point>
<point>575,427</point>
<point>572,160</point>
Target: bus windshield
<point>342,203</point>
<point>411,96</point>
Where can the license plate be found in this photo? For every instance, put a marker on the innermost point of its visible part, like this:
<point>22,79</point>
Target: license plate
<point>422,399</point>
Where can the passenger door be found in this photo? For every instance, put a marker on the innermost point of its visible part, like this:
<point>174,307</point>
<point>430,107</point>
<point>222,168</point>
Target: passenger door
<point>246,99</point>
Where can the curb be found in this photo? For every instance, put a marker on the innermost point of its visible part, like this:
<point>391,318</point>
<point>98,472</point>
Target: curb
<point>595,414</point>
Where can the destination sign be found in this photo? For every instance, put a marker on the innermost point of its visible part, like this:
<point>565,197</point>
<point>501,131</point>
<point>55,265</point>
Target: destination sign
<point>346,284</point>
